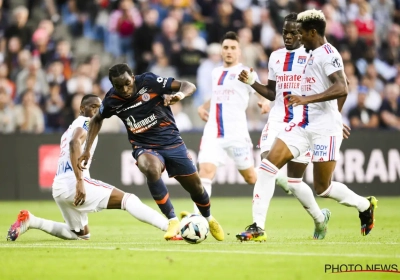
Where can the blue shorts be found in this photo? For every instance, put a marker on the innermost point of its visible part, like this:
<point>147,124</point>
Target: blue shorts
<point>176,160</point>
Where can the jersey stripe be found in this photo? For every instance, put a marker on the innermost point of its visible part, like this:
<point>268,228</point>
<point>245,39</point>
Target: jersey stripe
<point>287,66</point>
<point>328,49</point>
<point>304,121</point>
<point>220,122</point>
<point>222,78</point>
<point>288,109</point>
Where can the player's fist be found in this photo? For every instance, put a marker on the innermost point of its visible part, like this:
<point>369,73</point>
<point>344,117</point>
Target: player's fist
<point>296,100</point>
<point>84,158</point>
<point>173,98</point>
<point>346,131</point>
<point>80,195</point>
<point>264,106</point>
<point>203,113</point>
<point>247,77</point>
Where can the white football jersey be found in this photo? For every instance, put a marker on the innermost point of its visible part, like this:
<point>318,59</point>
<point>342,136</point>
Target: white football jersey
<point>65,168</point>
<point>322,117</point>
<point>229,101</point>
<point>286,69</point>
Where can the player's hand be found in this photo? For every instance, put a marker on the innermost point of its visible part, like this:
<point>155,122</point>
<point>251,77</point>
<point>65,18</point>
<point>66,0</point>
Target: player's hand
<point>80,195</point>
<point>85,156</point>
<point>264,106</point>
<point>203,113</point>
<point>171,99</point>
<point>296,100</point>
<point>346,131</point>
<point>246,77</point>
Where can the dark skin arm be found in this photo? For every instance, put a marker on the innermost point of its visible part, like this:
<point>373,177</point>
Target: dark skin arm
<point>184,87</point>
<point>94,128</point>
<point>336,91</point>
<point>267,91</point>
<point>78,138</point>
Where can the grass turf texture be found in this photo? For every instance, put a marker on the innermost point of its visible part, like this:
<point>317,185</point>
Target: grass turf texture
<point>122,247</point>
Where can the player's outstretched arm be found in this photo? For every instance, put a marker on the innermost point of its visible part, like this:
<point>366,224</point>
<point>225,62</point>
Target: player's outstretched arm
<point>78,138</point>
<point>182,88</point>
<point>94,128</point>
<point>266,91</point>
<point>203,109</point>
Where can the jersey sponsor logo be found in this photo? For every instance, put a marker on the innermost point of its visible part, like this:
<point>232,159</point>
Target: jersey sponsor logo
<point>142,91</point>
<point>288,81</point>
<point>146,97</point>
<point>302,59</point>
<point>141,126</point>
<point>86,125</point>
<point>130,107</point>
<point>320,150</point>
<point>336,62</point>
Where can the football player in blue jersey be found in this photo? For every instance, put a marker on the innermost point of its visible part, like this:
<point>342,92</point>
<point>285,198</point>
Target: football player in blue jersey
<point>142,103</point>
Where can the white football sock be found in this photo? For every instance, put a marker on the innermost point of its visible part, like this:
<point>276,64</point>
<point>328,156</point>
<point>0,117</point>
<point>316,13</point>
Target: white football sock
<point>282,180</point>
<point>342,194</point>
<point>132,204</point>
<point>306,197</point>
<point>60,230</point>
<point>263,191</point>
<point>207,184</point>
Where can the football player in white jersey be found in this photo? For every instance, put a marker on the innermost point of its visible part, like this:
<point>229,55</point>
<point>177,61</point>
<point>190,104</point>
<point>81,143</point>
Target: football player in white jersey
<point>323,84</point>
<point>285,71</point>
<point>76,194</point>
<point>226,131</point>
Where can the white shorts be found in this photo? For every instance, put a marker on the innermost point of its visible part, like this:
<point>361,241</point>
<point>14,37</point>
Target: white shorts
<point>324,147</point>
<point>97,197</point>
<point>270,133</point>
<point>215,150</point>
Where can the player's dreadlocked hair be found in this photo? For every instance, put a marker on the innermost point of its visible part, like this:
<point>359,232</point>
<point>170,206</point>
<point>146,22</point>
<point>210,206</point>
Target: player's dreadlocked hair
<point>312,19</point>
<point>86,97</point>
<point>291,17</point>
<point>119,69</point>
<point>230,35</point>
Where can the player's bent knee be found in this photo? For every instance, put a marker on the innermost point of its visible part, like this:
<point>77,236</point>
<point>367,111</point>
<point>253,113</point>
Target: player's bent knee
<point>152,173</point>
<point>251,180</point>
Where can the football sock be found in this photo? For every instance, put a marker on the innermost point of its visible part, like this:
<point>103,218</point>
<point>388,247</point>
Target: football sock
<point>281,179</point>
<point>60,230</point>
<point>161,196</point>
<point>132,204</point>
<point>202,202</point>
<point>306,197</point>
<point>342,194</point>
<point>263,191</point>
<point>207,184</point>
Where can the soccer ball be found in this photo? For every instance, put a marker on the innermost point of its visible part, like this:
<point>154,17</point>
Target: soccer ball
<point>194,228</point>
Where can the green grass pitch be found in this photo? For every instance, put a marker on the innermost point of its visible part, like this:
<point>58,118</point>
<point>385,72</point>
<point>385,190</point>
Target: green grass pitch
<point>123,248</point>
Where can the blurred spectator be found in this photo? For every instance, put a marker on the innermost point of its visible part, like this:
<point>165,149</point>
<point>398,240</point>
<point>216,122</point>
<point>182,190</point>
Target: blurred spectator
<point>351,100</point>
<point>163,68</point>
<point>182,120</point>
<point>29,116</point>
<point>53,108</point>
<point>252,53</point>
<point>248,18</point>
<point>34,71</point>
<point>169,37</point>
<point>382,11</point>
<point>390,49</point>
<point>7,84</point>
<point>364,22</point>
<point>373,99</point>
<point>390,109</point>
<point>42,46</point>
<point>361,116</point>
<point>18,29</point>
<point>267,30</point>
<point>63,54</point>
<point>279,9</point>
<point>353,42</point>
<point>372,75</point>
<point>334,29</point>
<point>122,25</point>
<point>7,114</point>
<point>144,38</point>
<point>13,49</point>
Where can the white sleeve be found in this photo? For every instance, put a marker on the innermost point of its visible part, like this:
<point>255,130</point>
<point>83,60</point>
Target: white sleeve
<point>271,72</point>
<point>332,63</point>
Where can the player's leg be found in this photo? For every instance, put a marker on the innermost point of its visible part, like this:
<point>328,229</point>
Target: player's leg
<point>152,164</point>
<point>289,144</point>
<point>179,164</point>
<point>241,151</point>
<point>134,206</point>
<point>192,184</point>
<point>326,153</point>
<point>304,194</point>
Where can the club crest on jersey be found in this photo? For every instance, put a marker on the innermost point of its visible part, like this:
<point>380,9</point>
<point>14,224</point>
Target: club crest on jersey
<point>311,61</point>
<point>231,76</point>
<point>146,97</point>
<point>302,59</point>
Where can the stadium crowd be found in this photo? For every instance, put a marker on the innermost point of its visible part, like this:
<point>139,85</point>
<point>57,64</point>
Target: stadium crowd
<point>53,52</point>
